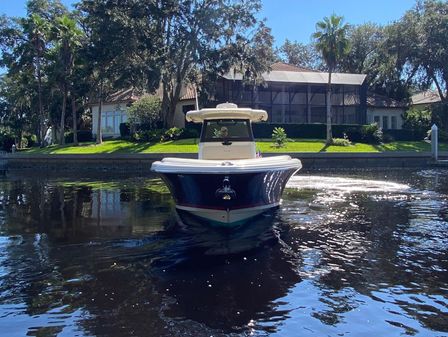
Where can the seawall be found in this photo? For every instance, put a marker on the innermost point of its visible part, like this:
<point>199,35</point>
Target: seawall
<point>142,162</point>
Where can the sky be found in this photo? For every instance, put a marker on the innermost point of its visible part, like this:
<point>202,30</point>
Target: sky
<point>294,19</point>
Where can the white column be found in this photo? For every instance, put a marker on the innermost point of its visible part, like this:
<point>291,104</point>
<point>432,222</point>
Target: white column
<point>435,142</point>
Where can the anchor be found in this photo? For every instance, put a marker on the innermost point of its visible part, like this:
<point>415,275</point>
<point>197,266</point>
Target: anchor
<point>226,192</point>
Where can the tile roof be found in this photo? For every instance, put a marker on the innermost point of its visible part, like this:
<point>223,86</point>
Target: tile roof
<point>425,97</point>
<point>189,93</point>
<point>120,96</point>
<point>279,66</point>
<point>125,95</point>
<point>377,100</point>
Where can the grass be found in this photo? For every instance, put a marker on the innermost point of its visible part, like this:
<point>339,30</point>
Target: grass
<point>264,145</point>
<point>119,146</point>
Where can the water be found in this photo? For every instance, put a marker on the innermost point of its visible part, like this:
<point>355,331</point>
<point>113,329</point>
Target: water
<point>347,254</point>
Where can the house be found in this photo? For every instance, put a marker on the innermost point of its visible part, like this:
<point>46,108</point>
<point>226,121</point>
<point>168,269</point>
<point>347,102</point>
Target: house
<point>115,106</point>
<point>386,112</point>
<point>424,99</point>
<point>293,94</point>
<point>290,95</point>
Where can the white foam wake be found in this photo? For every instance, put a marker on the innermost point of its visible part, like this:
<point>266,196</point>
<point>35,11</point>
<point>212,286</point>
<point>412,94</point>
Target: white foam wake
<point>344,184</point>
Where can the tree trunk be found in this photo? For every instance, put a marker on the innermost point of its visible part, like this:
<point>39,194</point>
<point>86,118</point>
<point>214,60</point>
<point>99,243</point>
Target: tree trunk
<point>20,138</point>
<point>99,136</point>
<point>171,114</point>
<point>329,131</point>
<point>41,134</point>
<point>75,121</point>
<point>64,106</point>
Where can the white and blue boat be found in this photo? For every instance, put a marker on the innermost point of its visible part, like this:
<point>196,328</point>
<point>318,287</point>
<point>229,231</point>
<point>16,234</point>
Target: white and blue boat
<point>229,183</point>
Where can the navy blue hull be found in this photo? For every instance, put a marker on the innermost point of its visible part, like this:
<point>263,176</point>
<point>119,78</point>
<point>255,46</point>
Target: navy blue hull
<point>228,191</point>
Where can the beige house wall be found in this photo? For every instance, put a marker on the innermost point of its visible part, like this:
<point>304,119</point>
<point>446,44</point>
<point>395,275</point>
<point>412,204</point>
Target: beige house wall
<point>386,113</point>
<point>179,116</point>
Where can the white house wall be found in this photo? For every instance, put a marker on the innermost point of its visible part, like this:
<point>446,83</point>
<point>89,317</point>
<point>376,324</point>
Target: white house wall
<point>179,117</point>
<point>107,108</point>
<point>386,113</point>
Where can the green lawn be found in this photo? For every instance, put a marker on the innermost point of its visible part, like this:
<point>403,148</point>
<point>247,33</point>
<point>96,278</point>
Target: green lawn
<point>190,145</point>
<point>120,146</point>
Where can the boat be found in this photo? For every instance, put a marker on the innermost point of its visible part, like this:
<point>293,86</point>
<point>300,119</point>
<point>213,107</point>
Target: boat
<point>229,183</point>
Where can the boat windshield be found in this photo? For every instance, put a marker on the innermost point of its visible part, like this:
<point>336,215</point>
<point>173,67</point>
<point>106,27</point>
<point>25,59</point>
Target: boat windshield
<point>218,130</point>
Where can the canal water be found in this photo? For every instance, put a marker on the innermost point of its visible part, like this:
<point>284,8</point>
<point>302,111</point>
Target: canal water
<point>352,253</point>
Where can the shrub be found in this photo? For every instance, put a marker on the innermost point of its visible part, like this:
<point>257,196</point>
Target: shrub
<point>24,143</point>
<point>371,134</point>
<point>171,134</point>
<point>148,135</point>
<point>279,137</point>
<point>146,111</point>
<point>417,120</point>
<point>341,141</point>
<point>31,140</point>
<point>125,130</point>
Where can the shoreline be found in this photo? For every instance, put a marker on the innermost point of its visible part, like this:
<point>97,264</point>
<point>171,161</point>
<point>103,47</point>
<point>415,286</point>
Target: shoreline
<point>142,162</point>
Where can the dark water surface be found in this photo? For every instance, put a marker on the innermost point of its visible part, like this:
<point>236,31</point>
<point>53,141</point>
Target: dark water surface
<point>347,254</point>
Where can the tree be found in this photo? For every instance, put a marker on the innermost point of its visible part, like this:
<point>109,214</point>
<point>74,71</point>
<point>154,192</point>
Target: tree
<point>15,105</point>
<point>252,57</point>
<point>120,46</point>
<point>430,49</point>
<point>365,41</point>
<point>25,44</point>
<point>37,29</point>
<point>166,44</point>
<point>300,54</point>
<point>67,38</point>
<point>332,42</point>
<point>146,111</point>
<point>196,35</point>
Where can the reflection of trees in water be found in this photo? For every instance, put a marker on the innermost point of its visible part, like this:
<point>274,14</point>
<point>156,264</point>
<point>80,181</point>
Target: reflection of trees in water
<point>70,210</point>
<point>51,251</point>
<point>135,285</point>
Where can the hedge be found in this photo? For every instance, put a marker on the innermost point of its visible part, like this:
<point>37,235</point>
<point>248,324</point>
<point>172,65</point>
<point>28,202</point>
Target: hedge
<point>405,134</point>
<point>83,136</point>
<point>6,141</point>
<point>319,131</point>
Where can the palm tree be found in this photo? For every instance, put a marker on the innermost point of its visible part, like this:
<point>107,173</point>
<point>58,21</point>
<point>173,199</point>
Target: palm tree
<point>333,44</point>
<point>38,30</point>
<point>68,39</point>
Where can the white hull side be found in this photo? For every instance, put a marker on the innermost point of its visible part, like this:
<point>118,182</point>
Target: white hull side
<point>227,217</point>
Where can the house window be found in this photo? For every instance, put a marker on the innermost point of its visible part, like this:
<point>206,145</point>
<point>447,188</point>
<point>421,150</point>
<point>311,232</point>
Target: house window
<point>385,122</point>
<point>376,119</point>
<point>111,120</point>
<point>393,122</point>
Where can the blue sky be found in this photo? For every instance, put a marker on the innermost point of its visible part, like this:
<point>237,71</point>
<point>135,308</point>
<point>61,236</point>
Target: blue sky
<point>294,19</point>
